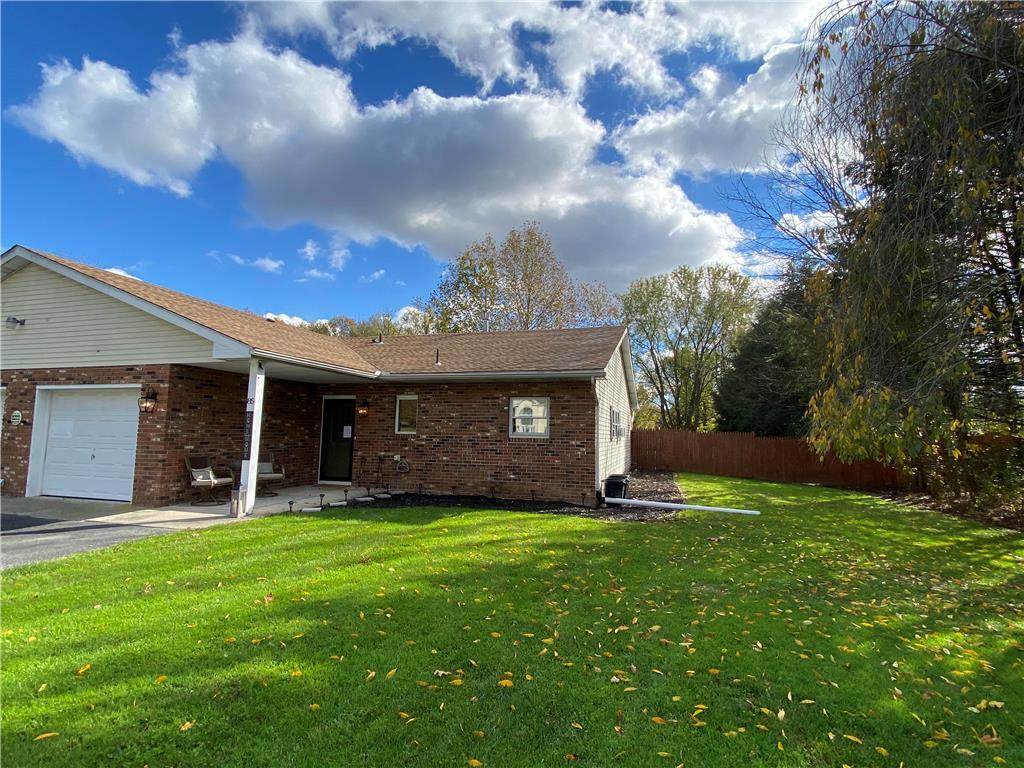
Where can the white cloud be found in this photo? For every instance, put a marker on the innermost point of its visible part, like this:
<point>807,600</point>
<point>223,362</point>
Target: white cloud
<point>309,250</point>
<point>317,274</point>
<point>406,316</point>
<point>401,283</point>
<point>725,126</point>
<point>481,38</point>
<point>286,319</point>
<point>372,277</point>
<point>338,257</point>
<point>263,263</point>
<point>423,170</point>
<point>121,271</point>
<point>156,139</point>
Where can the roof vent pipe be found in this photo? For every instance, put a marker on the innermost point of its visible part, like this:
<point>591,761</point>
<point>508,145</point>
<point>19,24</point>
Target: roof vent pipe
<point>379,339</point>
<point>437,356</point>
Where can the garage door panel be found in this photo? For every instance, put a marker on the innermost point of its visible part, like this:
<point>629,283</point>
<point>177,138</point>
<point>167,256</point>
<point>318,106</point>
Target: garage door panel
<point>90,444</point>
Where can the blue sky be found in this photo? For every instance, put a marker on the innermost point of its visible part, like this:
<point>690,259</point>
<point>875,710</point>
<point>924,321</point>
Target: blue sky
<point>313,159</point>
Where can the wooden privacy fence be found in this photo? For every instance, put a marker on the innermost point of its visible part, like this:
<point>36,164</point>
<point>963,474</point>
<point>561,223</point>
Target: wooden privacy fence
<point>743,454</point>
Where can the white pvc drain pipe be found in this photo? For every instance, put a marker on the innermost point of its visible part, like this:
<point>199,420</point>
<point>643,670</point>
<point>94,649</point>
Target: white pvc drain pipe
<point>669,505</point>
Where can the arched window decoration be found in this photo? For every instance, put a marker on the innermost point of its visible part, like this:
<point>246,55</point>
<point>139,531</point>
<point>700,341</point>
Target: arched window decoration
<point>529,417</point>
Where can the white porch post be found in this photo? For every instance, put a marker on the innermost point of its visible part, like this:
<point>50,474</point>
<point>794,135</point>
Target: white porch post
<point>251,441</point>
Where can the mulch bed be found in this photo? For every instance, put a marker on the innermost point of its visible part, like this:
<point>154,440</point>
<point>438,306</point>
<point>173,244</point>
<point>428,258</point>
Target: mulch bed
<point>655,486</point>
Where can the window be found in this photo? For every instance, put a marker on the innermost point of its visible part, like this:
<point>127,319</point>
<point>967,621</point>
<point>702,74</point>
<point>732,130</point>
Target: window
<point>405,414</point>
<point>615,423</point>
<point>528,417</point>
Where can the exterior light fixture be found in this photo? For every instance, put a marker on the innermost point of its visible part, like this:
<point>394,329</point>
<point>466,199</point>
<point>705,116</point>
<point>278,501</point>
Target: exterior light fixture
<point>364,407</point>
<point>147,403</point>
<point>13,322</point>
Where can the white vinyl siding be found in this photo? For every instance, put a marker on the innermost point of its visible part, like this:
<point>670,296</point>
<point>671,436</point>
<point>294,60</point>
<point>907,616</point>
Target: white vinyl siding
<point>613,393</point>
<point>69,325</point>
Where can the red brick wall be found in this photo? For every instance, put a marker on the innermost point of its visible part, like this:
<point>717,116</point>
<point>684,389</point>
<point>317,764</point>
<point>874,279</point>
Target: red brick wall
<point>151,472</point>
<point>207,417</point>
<point>462,440</point>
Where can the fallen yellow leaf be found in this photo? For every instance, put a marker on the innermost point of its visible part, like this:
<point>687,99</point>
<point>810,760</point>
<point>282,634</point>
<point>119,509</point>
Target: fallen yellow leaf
<point>370,675</point>
<point>659,720</point>
<point>474,763</point>
<point>506,683</point>
<point>159,679</point>
<point>455,681</point>
<point>83,669</point>
<point>186,725</point>
<point>314,707</point>
<point>47,735</point>
<point>391,673</point>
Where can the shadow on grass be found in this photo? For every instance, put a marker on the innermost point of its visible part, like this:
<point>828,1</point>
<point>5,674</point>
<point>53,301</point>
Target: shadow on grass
<point>572,602</point>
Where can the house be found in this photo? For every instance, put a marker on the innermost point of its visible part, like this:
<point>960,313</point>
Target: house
<point>110,382</point>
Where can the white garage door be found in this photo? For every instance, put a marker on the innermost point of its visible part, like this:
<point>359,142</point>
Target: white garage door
<point>90,444</point>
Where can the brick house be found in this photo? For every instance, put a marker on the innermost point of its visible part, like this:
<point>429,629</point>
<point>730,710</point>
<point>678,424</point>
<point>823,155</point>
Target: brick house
<point>108,383</point>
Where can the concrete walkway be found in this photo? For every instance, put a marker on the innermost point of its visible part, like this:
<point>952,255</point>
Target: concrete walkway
<point>46,528</point>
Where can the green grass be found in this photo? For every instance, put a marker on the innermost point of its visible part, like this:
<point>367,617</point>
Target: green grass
<point>832,628</point>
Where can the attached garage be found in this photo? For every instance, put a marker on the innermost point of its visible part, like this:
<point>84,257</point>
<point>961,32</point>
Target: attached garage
<point>84,441</point>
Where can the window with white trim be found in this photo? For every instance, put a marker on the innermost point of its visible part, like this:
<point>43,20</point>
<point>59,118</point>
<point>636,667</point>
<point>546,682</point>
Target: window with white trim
<point>528,416</point>
<point>614,423</point>
<point>405,414</point>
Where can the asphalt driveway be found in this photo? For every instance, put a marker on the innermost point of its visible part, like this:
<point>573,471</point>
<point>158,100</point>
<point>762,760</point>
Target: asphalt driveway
<point>44,528</point>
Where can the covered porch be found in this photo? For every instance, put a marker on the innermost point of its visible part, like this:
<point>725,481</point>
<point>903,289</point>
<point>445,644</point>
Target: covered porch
<point>263,420</point>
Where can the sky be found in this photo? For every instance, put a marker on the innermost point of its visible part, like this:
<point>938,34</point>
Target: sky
<point>315,159</point>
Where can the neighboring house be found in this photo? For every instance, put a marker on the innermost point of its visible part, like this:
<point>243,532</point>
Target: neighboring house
<point>85,352</point>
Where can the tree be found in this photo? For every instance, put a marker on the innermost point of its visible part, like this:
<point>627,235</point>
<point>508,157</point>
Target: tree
<point>908,166</point>
<point>596,305</point>
<point>769,382</point>
<point>519,286</point>
<point>467,299</point>
<point>683,326</point>
<point>342,325</point>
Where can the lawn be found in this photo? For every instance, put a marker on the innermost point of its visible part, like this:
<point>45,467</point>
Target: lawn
<point>837,628</point>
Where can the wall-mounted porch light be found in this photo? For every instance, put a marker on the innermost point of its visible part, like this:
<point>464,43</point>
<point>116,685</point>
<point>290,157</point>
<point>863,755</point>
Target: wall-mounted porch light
<point>13,322</point>
<point>147,403</point>
<point>363,408</point>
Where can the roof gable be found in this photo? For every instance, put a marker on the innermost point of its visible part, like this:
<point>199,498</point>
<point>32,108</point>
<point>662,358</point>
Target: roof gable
<point>570,352</point>
<point>257,333</point>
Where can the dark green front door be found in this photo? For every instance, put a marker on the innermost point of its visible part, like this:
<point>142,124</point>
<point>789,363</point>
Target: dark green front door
<point>336,439</point>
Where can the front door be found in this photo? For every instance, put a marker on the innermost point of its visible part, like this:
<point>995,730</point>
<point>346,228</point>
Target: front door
<point>336,439</point>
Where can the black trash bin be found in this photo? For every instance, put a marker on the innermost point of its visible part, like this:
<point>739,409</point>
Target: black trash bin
<point>616,487</point>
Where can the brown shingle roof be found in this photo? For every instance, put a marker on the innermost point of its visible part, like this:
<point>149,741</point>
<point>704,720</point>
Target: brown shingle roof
<point>246,327</point>
<point>549,351</point>
<point>570,349</point>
